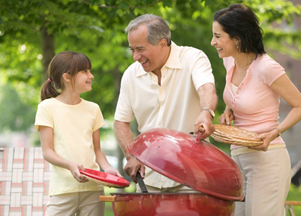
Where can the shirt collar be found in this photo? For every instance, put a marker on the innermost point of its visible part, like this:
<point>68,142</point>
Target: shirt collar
<point>173,60</point>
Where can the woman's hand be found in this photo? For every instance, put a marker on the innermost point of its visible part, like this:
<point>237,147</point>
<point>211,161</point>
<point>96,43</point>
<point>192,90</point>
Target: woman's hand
<point>267,138</point>
<point>226,118</point>
<point>74,169</point>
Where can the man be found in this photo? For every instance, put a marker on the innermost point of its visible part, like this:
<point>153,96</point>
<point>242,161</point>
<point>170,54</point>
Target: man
<point>168,86</point>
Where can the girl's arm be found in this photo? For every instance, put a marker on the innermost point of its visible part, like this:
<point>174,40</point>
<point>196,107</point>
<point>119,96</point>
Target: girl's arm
<point>46,137</point>
<point>101,158</point>
<point>288,91</point>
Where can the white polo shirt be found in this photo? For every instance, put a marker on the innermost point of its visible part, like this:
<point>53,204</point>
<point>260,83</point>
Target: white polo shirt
<point>175,104</point>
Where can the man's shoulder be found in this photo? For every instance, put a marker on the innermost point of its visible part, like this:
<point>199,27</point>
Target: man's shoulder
<point>190,48</point>
<point>190,52</point>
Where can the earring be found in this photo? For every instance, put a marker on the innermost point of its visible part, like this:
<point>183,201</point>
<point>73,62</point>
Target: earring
<point>236,45</point>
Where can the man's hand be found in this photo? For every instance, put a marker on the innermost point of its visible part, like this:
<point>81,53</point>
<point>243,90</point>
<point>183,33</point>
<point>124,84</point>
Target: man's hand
<point>204,125</point>
<point>208,99</point>
<point>131,168</point>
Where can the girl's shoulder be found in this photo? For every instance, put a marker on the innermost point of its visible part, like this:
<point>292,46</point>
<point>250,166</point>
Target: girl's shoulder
<point>90,104</point>
<point>47,102</point>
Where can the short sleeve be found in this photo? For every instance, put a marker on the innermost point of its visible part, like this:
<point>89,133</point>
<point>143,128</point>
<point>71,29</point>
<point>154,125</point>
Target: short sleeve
<point>271,71</point>
<point>99,120</point>
<point>44,116</point>
<point>201,70</point>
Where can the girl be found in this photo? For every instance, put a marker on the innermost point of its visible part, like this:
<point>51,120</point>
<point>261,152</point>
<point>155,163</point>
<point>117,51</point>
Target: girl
<point>254,83</point>
<point>69,133</point>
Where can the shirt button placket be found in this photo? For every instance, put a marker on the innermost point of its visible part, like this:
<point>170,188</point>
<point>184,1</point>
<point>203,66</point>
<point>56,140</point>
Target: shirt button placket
<point>161,104</point>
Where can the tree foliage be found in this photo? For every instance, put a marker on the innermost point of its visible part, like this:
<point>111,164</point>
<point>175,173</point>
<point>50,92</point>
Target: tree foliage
<point>96,28</point>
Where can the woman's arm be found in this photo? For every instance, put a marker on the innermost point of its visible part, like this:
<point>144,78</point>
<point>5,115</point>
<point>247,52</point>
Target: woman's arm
<point>46,137</point>
<point>288,91</point>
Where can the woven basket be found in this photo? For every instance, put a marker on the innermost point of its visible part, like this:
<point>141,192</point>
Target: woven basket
<point>235,136</point>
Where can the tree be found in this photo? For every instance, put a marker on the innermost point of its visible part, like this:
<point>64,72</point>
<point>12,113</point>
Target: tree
<point>32,31</point>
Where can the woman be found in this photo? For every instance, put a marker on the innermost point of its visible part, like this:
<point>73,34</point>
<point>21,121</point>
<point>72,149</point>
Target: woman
<point>254,83</point>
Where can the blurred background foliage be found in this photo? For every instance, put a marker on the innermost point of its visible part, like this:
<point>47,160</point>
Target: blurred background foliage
<point>32,31</point>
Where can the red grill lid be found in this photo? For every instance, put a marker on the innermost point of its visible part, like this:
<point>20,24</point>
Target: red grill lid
<point>201,166</point>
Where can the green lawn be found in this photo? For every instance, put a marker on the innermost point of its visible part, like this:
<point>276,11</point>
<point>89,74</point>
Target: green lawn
<point>108,209</point>
<point>295,195</point>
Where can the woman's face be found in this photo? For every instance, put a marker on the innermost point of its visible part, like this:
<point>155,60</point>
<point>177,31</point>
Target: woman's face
<point>222,42</point>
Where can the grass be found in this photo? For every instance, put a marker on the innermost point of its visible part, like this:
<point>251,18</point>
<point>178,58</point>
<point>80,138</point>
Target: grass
<point>294,194</point>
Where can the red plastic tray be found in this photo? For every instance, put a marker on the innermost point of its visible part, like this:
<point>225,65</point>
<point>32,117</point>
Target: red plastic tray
<point>105,178</point>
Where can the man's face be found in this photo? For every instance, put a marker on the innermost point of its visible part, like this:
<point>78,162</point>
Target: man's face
<point>148,55</point>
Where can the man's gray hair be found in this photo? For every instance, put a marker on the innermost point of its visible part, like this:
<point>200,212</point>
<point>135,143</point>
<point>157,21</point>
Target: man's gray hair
<point>157,28</point>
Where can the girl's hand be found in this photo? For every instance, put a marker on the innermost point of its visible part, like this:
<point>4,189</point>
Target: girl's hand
<point>113,171</point>
<point>226,118</point>
<point>74,169</point>
<point>267,138</point>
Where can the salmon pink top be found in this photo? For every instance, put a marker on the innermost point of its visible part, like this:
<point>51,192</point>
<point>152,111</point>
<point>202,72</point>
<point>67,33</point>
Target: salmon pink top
<point>255,105</point>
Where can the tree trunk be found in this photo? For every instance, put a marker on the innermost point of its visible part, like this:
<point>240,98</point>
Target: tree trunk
<point>48,52</point>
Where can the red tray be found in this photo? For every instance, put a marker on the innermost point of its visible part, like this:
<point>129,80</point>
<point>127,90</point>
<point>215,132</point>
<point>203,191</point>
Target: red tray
<point>105,179</point>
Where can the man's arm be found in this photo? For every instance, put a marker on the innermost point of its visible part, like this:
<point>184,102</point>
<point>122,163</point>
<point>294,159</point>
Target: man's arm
<point>208,98</point>
<point>124,137</point>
